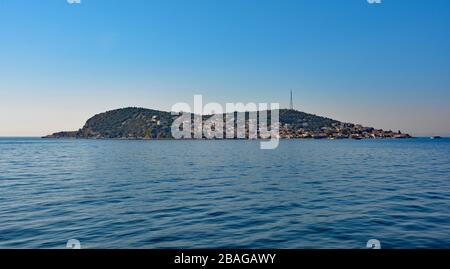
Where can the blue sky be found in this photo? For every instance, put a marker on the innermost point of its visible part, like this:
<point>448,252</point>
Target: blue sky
<point>385,65</point>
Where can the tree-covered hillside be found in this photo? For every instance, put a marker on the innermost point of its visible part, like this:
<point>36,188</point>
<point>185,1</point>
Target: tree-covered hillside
<point>141,123</point>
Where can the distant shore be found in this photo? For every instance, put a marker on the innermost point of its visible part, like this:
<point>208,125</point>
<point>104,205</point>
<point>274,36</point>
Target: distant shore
<point>224,139</point>
<point>134,123</point>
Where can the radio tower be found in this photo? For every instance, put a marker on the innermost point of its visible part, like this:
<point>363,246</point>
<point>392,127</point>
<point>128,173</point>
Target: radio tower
<point>291,104</point>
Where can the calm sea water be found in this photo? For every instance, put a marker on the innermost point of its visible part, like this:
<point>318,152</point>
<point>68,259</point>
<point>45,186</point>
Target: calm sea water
<point>224,194</point>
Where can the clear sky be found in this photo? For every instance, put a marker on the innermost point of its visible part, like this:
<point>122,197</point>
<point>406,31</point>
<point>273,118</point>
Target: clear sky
<point>384,65</point>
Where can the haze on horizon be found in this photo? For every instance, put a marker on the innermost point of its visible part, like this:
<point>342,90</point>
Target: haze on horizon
<point>382,65</point>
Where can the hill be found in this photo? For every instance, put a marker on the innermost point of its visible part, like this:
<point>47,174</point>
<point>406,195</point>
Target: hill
<point>142,123</point>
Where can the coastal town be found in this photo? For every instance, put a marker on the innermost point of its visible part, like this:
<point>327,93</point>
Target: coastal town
<point>339,131</point>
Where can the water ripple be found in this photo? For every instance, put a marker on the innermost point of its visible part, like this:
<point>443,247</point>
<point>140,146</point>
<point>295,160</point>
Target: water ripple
<point>225,194</point>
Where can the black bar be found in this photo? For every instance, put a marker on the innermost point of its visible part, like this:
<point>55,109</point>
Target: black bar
<point>221,258</point>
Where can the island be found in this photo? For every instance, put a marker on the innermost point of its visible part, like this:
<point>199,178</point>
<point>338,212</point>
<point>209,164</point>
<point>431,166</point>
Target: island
<point>149,124</point>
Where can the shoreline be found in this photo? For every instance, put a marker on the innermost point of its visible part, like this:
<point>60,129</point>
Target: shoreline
<point>217,139</point>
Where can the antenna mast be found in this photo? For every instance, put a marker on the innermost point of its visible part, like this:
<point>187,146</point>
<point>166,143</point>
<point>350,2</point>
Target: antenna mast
<point>291,105</point>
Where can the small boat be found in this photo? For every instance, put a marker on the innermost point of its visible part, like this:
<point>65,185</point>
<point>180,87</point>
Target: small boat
<point>435,137</point>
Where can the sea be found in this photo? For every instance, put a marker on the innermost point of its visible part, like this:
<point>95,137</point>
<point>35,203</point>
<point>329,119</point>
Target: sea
<point>313,194</point>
